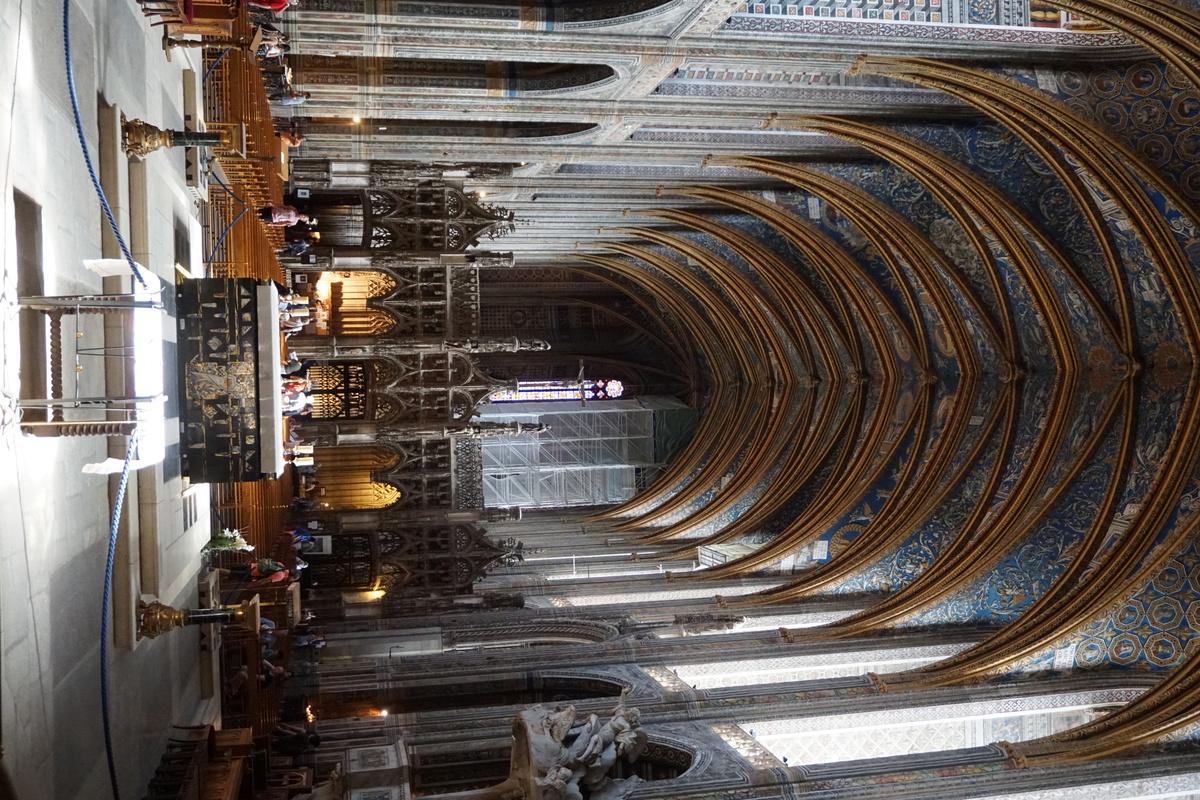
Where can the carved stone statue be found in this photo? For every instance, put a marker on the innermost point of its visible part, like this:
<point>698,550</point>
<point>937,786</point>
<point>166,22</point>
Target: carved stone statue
<point>557,758</point>
<point>481,430</point>
<point>502,514</point>
<point>619,737</point>
<point>707,622</point>
<point>513,345</point>
<point>560,782</point>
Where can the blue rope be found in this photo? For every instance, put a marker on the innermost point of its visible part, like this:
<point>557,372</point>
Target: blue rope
<point>108,578</point>
<point>87,158</point>
<point>224,233</point>
<point>225,186</point>
<point>208,72</point>
<point>115,522</point>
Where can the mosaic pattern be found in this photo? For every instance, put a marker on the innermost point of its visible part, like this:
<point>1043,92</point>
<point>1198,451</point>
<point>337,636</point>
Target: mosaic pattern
<point>975,21</point>
<point>898,10</point>
<point>747,137</point>
<point>1154,628</point>
<point>1148,105</point>
<point>1016,13</point>
<point>1008,590</point>
<point>818,83</point>
<point>1026,573</point>
<point>748,75</point>
<point>1003,160</point>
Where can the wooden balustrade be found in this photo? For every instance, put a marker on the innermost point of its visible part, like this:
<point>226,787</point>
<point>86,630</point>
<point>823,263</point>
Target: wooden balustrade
<point>236,103</point>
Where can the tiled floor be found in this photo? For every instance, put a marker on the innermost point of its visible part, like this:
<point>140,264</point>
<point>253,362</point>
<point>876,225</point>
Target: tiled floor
<point>53,517</point>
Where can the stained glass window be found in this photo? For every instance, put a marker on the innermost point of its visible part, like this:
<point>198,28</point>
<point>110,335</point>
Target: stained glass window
<point>561,390</point>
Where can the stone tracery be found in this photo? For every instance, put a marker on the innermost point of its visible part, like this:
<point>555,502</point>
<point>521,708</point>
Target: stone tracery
<point>972,403</point>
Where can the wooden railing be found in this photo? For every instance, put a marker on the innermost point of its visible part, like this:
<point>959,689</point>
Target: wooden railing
<point>235,102</point>
<point>253,705</point>
<point>258,509</point>
<point>238,244</point>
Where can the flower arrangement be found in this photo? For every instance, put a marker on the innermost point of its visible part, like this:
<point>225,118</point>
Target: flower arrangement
<point>227,539</point>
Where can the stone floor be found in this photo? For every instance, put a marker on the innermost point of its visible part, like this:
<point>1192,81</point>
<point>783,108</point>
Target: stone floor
<point>53,517</point>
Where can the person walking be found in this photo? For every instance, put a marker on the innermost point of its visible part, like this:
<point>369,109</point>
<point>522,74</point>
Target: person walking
<point>282,216</point>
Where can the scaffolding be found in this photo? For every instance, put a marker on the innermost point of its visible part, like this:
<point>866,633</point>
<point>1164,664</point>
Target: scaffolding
<point>592,455</point>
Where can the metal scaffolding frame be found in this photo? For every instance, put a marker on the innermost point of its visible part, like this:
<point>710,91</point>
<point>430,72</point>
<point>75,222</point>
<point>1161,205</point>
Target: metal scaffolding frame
<point>591,455</point>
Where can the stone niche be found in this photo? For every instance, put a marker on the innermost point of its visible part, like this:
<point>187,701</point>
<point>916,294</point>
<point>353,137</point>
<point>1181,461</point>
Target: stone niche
<point>379,793</point>
<point>378,773</point>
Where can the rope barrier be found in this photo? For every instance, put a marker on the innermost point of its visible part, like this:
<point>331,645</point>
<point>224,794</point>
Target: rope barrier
<point>208,72</point>
<point>224,233</point>
<point>87,157</point>
<point>123,483</point>
<point>225,186</point>
<point>113,527</point>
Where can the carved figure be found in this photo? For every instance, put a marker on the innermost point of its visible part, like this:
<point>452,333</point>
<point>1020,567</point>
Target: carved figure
<point>707,622</point>
<point>557,757</point>
<point>480,430</point>
<point>513,345</point>
<point>615,739</point>
<point>562,783</point>
<point>584,731</point>
<point>545,731</point>
<point>619,737</point>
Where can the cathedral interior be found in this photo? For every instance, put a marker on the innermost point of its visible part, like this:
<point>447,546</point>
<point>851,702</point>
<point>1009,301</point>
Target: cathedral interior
<point>698,399</point>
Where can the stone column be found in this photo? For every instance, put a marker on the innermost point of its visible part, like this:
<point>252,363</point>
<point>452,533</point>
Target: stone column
<point>643,665</point>
<point>987,773</point>
<point>798,700</point>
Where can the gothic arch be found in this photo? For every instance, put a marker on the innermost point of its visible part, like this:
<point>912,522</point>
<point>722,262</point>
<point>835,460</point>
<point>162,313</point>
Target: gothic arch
<point>349,478</point>
<point>357,389</point>
<point>665,758</point>
<point>567,631</point>
<point>401,560</point>
<point>569,78</point>
<point>353,299</point>
<point>615,12</point>
<point>574,686</point>
<point>434,387</point>
<point>383,128</point>
<point>454,77</point>
<point>582,14</point>
<point>501,691</point>
<point>427,217</point>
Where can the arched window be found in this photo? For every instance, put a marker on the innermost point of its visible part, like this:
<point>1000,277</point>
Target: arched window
<point>583,390</point>
<point>551,689</point>
<point>446,77</point>
<point>550,14</point>
<point>339,390</point>
<point>441,129</point>
<point>345,299</point>
<point>662,761</point>
<point>347,478</point>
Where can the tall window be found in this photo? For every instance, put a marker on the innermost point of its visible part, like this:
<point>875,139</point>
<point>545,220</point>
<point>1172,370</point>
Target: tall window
<point>600,389</point>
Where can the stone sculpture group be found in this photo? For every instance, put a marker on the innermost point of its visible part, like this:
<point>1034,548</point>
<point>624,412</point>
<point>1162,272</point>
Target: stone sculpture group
<point>570,759</point>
